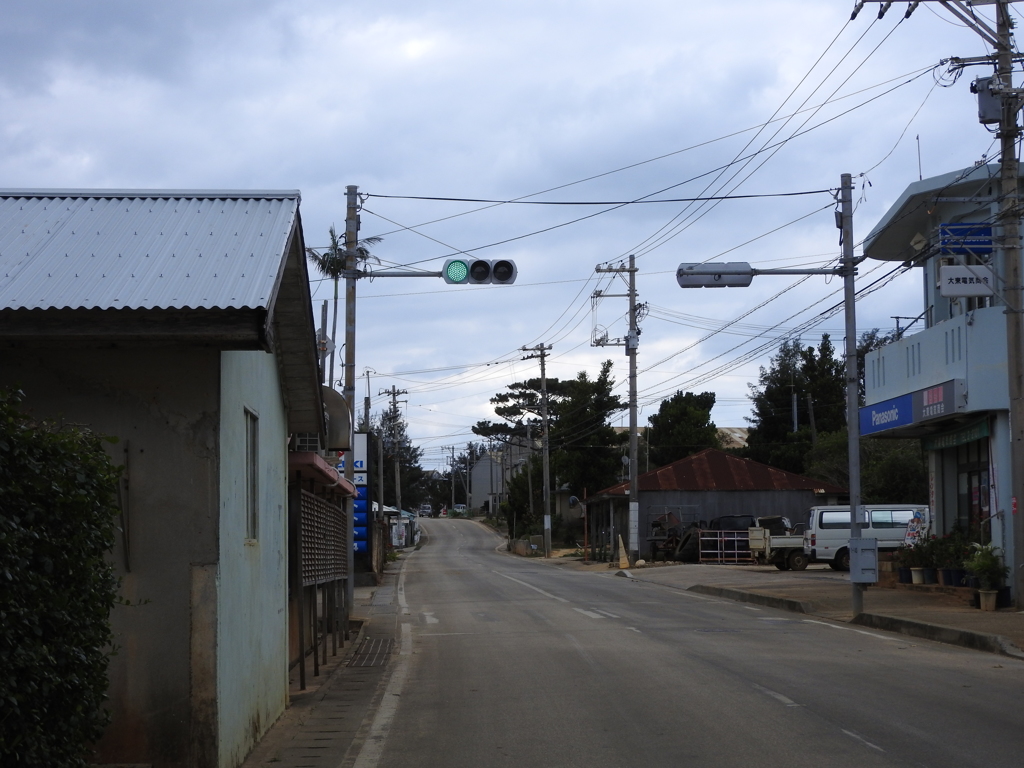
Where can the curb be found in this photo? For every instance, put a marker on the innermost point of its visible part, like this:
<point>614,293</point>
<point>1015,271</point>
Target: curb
<point>978,641</point>
<point>769,601</point>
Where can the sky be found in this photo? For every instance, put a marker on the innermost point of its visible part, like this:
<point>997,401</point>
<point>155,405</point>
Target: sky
<point>562,101</point>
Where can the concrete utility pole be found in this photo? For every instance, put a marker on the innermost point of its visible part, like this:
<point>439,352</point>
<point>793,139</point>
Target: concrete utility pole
<point>1009,218</point>
<point>852,379</point>
<point>351,242</point>
<point>631,342</point>
<point>542,352</point>
<point>396,444</point>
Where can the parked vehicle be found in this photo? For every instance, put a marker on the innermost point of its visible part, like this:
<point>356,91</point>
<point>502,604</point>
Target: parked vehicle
<point>459,510</point>
<point>774,541</point>
<point>426,510</point>
<point>827,536</point>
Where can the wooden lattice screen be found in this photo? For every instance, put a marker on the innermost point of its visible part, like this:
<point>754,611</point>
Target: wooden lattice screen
<point>324,554</point>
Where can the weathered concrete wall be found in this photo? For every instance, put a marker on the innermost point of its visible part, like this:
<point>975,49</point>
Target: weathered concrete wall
<point>252,631</point>
<point>163,405</point>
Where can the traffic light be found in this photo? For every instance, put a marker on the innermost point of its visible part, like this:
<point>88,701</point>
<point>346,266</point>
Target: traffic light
<point>479,271</point>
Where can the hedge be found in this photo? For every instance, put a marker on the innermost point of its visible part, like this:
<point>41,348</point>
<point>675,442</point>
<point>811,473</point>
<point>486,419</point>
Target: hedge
<point>58,493</point>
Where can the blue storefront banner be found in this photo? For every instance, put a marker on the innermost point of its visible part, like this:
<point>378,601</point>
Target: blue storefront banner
<point>898,412</point>
<point>359,518</point>
<point>360,546</point>
<point>359,534</point>
<point>359,505</point>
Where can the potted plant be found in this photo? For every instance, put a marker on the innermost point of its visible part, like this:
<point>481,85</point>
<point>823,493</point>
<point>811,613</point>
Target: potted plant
<point>984,563</point>
<point>930,549</point>
<point>901,561</point>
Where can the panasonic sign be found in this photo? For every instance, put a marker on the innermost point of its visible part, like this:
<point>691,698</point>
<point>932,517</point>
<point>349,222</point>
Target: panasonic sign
<point>879,417</point>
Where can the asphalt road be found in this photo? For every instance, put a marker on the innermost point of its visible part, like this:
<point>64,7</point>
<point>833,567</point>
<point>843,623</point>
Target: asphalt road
<point>511,662</point>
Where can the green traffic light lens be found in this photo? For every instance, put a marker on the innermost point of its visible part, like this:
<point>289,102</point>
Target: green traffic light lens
<point>457,271</point>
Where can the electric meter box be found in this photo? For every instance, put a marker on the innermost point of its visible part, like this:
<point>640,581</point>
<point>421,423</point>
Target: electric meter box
<point>864,561</point>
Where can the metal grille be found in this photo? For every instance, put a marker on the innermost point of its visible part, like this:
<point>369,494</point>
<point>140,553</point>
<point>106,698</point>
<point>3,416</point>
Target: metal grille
<point>725,547</point>
<point>324,550</point>
<point>372,652</point>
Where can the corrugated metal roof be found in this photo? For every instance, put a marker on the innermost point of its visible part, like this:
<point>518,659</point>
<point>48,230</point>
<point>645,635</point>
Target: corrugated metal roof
<point>142,249</point>
<point>713,470</point>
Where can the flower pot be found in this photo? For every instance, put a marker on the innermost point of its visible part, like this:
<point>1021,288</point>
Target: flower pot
<point>959,577</point>
<point>904,576</point>
<point>931,575</point>
<point>987,599</point>
<point>946,577</point>
<point>1003,599</point>
<point>917,575</point>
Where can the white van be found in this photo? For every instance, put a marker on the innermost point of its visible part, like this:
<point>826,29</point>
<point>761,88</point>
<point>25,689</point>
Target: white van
<point>827,536</point>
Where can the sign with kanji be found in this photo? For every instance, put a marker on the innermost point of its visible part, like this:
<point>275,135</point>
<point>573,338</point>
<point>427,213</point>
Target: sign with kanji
<point>975,280</point>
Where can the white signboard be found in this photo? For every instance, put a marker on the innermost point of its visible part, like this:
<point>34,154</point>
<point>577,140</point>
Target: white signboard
<point>360,476</point>
<point>975,280</point>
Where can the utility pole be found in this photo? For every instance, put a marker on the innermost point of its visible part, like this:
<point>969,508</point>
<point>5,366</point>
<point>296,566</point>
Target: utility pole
<point>852,380</point>
<point>396,444</point>
<point>453,477</point>
<point>631,342</point>
<point>1009,218</point>
<point>541,351</point>
<point>351,242</point>
<point>366,400</point>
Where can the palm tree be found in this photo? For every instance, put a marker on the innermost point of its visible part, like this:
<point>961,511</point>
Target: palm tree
<point>331,264</point>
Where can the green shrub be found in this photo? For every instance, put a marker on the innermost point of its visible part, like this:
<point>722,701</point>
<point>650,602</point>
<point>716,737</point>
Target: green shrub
<point>58,495</point>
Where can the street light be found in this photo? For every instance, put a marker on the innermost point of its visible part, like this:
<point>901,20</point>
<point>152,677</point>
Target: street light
<point>739,274</point>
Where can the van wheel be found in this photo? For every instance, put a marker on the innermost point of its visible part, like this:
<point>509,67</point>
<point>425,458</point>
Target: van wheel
<point>842,561</point>
<point>797,560</point>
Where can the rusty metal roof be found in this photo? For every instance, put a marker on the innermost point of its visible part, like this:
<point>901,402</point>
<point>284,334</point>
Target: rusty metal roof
<point>714,470</point>
<point>142,249</point>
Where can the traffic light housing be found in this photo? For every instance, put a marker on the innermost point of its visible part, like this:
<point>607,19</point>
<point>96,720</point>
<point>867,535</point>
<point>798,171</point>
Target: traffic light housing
<point>479,272</point>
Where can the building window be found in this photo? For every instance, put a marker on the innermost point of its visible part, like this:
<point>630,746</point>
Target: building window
<point>252,474</point>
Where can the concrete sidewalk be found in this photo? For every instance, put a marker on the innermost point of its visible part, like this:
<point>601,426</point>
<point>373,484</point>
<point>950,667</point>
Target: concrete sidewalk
<point>935,613</point>
<point>326,724</point>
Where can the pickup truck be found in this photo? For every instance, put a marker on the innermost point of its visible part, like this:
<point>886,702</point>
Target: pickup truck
<point>774,542</point>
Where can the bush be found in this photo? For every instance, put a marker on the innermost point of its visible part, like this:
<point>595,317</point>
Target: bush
<point>57,513</point>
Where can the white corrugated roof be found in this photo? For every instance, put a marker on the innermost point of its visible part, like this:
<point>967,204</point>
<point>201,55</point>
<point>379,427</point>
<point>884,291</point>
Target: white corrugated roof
<point>142,249</point>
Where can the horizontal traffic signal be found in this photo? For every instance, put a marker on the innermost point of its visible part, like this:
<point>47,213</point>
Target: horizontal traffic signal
<point>479,271</point>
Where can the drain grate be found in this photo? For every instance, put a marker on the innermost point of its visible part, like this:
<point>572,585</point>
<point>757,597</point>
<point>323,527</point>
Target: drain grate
<point>372,652</point>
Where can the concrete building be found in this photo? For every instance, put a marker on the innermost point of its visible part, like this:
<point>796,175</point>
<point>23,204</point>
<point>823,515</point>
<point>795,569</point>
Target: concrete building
<point>181,324</point>
<point>945,380</point>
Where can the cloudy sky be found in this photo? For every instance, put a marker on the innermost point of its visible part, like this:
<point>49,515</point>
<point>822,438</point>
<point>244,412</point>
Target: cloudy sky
<point>581,101</point>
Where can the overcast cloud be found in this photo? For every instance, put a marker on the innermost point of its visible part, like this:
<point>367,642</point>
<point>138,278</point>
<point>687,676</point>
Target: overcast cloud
<point>498,101</point>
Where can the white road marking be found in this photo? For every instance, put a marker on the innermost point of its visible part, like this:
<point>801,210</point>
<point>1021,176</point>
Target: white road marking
<point>865,742</point>
<point>591,614</point>
<point>635,630</point>
<point>858,631</point>
<point>605,613</point>
<point>373,747</point>
<point>446,634</point>
<point>401,589</point>
<point>429,616</point>
<point>535,589</point>
<point>751,609</point>
<point>776,695</point>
